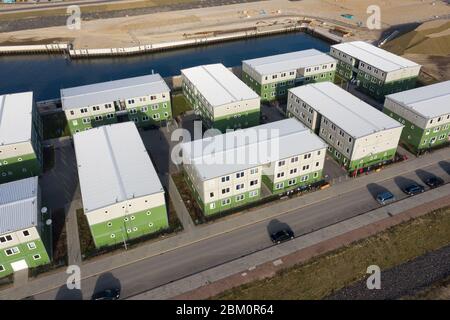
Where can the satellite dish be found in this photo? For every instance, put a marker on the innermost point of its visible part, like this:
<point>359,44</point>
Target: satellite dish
<point>48,222</point>
<point>44,210</point>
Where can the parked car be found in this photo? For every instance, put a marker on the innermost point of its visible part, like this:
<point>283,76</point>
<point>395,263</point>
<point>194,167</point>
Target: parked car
<point>434,182</point>
<point>385,197</point>
<point>282,236</point>
<point>108,294</point>
<point>413,189</point>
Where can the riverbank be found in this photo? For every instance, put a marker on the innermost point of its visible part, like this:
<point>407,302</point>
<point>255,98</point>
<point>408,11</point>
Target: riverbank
<point>178,25</point>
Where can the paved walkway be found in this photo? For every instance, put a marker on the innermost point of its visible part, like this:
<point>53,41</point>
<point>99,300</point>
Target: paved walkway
<point>73,239</point>
<point>203,232</point>
<point>180,208</point>
<point>266,262</point>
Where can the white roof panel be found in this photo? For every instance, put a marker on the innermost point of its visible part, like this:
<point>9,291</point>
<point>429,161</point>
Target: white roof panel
<point>429,101</point>
<point>16,117</point>
<point>113,166</point>
<point>103,92</point>
<point>214,157</point>
<point>374,56</point>
<point>348,112</point>
<point>18,205</point>
<point>218,85</point>
<point>289,61</point>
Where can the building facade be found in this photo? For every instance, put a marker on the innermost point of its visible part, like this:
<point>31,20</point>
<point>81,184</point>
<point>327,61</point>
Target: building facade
<point>20,137</point>
<point>144,100</point>
<point>358,135</point>
<point>375,71</point>
<point>425,113</point>
<point>271,77</point>
<point>23,233</point>
<point>122,195</point>
<point>220,98</point>
<point>229,170</point>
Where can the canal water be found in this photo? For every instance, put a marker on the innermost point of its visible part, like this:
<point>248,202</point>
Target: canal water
<point>47,74</point>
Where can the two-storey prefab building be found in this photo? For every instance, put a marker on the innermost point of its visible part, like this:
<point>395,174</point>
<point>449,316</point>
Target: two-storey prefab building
<point>425,112</point>
<point>227,171</point>
<point>271,77</point>
<point>122,195</point>
<point>20,137</point>
<point>144,100</point>
<point>358,135</point>
<point>221,99</point>
<point>377,72</point>
<point>22,231</point>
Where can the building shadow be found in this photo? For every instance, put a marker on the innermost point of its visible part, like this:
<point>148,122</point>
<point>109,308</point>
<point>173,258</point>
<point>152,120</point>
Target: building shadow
<point>276,225</point>
<point>375,189</point>
<point>107,281</point>
<point>403,182</point>
<point>445,165</point>
<point>65,293</point>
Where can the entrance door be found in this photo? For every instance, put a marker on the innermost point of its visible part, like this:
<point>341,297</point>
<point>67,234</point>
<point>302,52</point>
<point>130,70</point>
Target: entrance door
<point>19,265</point>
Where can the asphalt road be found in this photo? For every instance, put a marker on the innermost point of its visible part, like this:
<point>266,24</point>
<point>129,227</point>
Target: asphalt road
<point>159,270</point>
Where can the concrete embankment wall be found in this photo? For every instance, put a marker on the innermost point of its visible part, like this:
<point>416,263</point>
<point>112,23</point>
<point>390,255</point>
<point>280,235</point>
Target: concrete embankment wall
<point>89,53</point>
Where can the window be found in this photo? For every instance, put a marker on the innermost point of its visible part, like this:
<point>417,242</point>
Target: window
<point>12,251</point>
<point>240,197</point>
<point>212,205</point>
<point>307,156</point>
<point>304,178</point>
<point>254,171</point>
<point>144,109</point>
<point>86,120</point>
<point>279,186</point>
<point>227,178</point>
<point>293,171</point>
<point>226,202</point>
<point>253,193</point>
<point>253,182</point>
<point>36,257</point>
<point>155,107</point>
<point>240,186</point>
<point>295,159</point>
<point>5,238</point>
<point>281,163</point>
<point>280,174</point>
<point>305,167</point>
<point>211,194</point>
<point>113,235</point>
<point>292,182</point>
<point>226,190</point>
<point>2,268</point>
<point>31,245</point>
<point>156,116</point>
<point>239,175</point>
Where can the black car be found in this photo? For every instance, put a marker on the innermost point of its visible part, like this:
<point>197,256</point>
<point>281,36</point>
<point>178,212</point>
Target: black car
<point>108,294</point>
<point>434,182</point>
<point>413,189</point>
<point>282,235</point>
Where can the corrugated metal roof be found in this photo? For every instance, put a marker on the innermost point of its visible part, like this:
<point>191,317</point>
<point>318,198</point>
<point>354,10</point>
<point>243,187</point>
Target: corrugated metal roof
<point>213,157</point>
<point>348,112</point>
<point>18,205</point>
<point>218,85</point>
<point>16,117</point>
<point>429,101</point>
<point>113,166</point>
<point>104,92</point>
<point>289,61</point>
<point>374,56</point>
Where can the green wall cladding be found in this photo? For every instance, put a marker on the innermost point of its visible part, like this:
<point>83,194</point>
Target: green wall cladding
<point>22,167</point>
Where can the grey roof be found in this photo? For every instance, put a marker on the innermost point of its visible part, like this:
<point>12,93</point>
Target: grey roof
<point>218,85</point>
<point>18,205</point>
<point>429,101</point>
<point>348,112</point>
<point>288,138</point>
<point>16,117</point>
<point>113,166</point>
<point>374,56</point>
<point>103,92</point>
<point>289,61</point>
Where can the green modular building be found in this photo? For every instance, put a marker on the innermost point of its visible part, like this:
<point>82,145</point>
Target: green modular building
<point>220,98</point>
<point>375,71</point>
<point>24,236</point>
<point>144,100</point>
<point>271,77</point>
<point>121,192</point>
<point>234,169</point>
<point>358,135</point>
<point>425,113</point>
<point>20,137</point>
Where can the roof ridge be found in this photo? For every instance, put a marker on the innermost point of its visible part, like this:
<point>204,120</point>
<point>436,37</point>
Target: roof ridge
<point>370,52</point>
<point>220,83</point>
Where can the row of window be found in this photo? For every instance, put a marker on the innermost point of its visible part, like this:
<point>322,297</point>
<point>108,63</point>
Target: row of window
<point>293,181</point>
<point>8,237</point>
<point>240,175</point>
<point>126,219</point>
<point>238,198</point>
<point>15,250</point>
<point>239,186</point>
<point>130,230</point>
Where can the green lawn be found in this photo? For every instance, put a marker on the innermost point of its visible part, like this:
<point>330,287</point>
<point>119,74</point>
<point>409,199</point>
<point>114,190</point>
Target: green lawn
<point>320,276</point>
<point>179,105</point>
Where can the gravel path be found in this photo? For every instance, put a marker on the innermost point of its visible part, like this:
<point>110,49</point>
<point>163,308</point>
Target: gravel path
<point>407,279</point>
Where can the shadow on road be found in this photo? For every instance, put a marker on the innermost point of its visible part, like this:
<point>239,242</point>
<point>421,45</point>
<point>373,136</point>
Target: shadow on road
<point>375,189</point>
<point>424,175</point>
<point>445,165</point>
<point>403,182</point>
<point>107,281</point>
<point>276,225</point>
<point>65,293</point>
